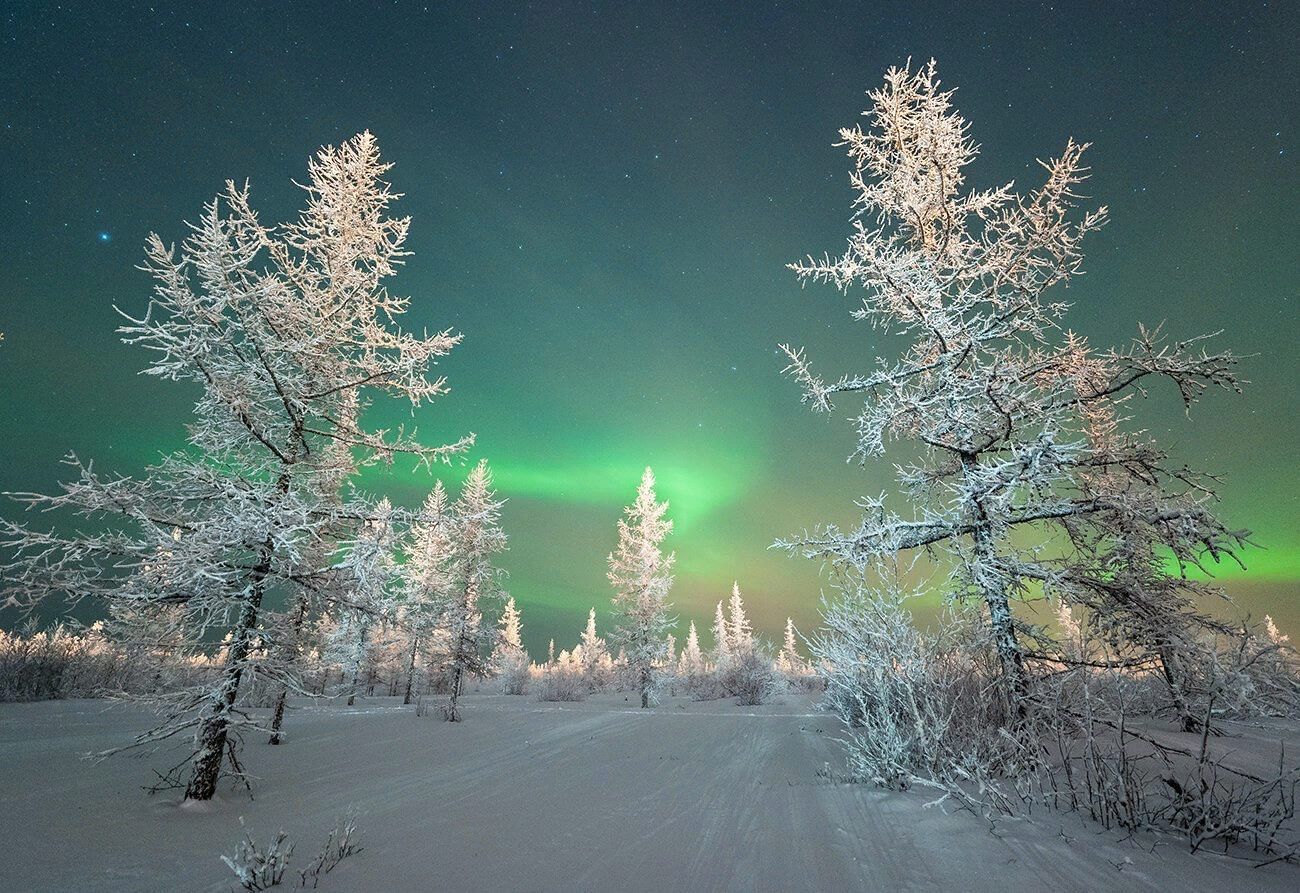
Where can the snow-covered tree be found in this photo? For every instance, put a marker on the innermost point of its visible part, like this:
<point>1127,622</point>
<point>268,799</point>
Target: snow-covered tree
<point>641,575</point>
<point>1017,470</point>
<point>789,661</point>
<point>691,662</point>
<point>477,581</point>
<point>510,660</point>
<point>427,577</point>
<point>368,601</point>
<point>282,330</point>
<point>721,636</point>
<point>596,661</point>
<point>509,638</point>
<point>320,590</point>
<point>740,634</point>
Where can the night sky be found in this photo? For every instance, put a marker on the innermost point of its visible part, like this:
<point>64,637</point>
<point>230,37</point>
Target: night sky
<point>604,198</point>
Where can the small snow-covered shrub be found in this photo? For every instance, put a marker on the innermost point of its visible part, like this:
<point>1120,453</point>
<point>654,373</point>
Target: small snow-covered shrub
<point>258,869</point>
<point>561,684</point>
<point>750,677</point>
<point>513,673</point>
<point>918,708</point>
<point>340,844</point>
<point>703,686</point>
<point>60,662</point>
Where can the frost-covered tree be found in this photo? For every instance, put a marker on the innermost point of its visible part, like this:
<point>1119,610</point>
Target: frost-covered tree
<point>368,601</point>
<point>789,661</point>
<point>740,634</point>
<point>477,581</point>
<point>641,575</point>
<point>511,630</point>
<point>427,577</point>
<point>721,636</point>
<point>1015,464</point>
<point>282,329</point>
<point>596,662</point>
<point>320,590</point>
<point>692,659</point>
<point>510,661</point>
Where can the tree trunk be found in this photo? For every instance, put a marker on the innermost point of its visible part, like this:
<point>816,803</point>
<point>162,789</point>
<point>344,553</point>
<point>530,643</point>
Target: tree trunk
<point>993,588</point>
<point>410,668</point>
<point>1172,672</point>
<point>213,733</point>
<point>457,675</point>
<point>292,648</point>
<point>645,687</point>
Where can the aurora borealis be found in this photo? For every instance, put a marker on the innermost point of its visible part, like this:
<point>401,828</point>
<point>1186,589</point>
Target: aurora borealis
<point>604,197</point>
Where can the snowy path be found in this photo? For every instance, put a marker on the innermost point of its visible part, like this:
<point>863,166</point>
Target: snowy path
<point>528,796</point>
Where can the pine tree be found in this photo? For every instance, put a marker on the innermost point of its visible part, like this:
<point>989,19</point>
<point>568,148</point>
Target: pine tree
<point>595,654</point>
<point>692,659</point>
<point>281,329</point>
<point>1012,425</point>
<point>427,576</point>
<point>740,635</point>
<point>789,660</point>
<point>478,539</point>
<point>509,638</point>
<point>641,576</point>
<point>368,599</point>
<point>721,637</point>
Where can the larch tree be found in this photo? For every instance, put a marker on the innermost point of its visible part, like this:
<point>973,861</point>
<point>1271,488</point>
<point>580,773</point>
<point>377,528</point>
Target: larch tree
<point>510,661</point>
<point>721,636</point>
<point>368,572</point>
<point>789,661</point>
<point>1016,467</point>
<point>595,653</point>
<point>641,575</point>
<point>511,630</point>
<point>692,659</point>
<point>286,332</point>
<point>740,634</point>
<point>427,577</point>
<point>320,590</point>
<point>477,581</point>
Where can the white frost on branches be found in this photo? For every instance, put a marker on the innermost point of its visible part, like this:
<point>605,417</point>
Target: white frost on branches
<point>1017,469</point>
<point>287,332</point>
<point>641,575</point>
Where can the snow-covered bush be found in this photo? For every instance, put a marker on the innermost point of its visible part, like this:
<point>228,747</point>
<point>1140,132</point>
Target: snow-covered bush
<point>750,677</point>
<point>514,671</point>
<point>917,707</point>
<point>37,665</point>
<point>340,844</point>
<point>260,869</point>
<point>558,683</point>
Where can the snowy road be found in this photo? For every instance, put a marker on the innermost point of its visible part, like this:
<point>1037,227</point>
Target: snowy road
<point>528,796</point>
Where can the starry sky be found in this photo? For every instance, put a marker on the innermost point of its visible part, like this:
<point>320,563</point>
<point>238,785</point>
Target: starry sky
<point>604,197</point>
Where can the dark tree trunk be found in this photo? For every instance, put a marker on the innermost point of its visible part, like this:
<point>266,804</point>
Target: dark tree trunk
<point>410,668</point>
<point>213,734</point>
<point>292,649</point>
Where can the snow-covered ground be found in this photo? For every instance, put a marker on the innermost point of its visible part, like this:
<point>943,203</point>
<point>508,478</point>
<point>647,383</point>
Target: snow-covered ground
<point>530,796</point>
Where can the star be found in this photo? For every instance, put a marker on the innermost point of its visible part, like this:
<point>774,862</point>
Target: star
<point>104,236</point>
